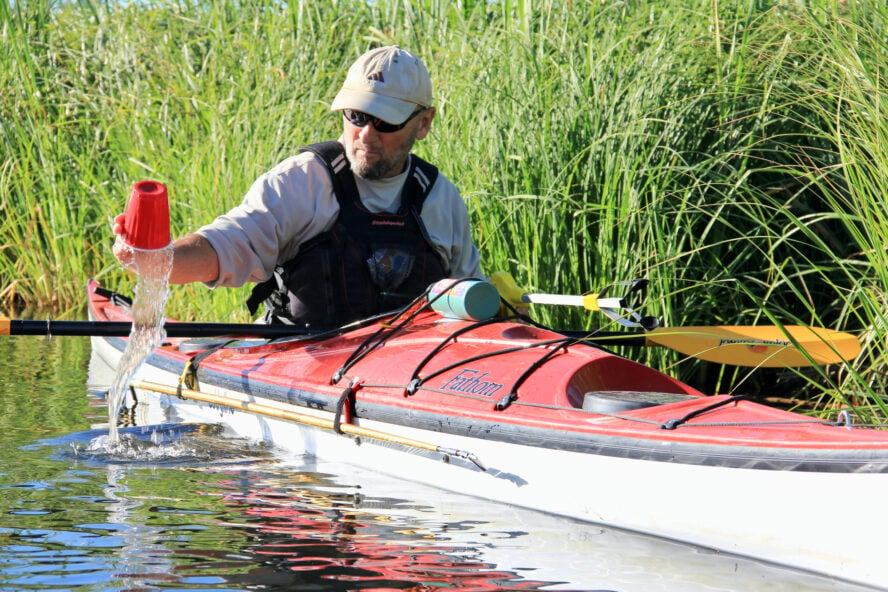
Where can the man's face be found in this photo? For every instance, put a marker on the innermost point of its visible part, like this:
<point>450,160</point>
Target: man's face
<point>376,155</point>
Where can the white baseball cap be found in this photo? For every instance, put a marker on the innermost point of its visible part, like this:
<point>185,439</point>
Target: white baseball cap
<point>386,82</point>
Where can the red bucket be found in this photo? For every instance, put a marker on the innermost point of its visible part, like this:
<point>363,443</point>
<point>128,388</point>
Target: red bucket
<point>146,224</point>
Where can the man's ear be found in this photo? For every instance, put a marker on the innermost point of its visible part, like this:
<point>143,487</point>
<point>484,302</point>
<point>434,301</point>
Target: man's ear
<point>425,123</point>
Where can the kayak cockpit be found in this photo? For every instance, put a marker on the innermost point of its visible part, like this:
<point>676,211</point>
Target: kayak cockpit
<point>613,374</point>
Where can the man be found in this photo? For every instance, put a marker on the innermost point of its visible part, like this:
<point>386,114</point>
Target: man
<point>344,229</point>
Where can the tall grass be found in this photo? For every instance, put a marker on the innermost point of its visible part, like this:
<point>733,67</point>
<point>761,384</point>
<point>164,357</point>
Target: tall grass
<point>732,152</point>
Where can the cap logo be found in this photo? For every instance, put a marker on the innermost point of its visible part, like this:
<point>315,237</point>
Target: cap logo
<point>377,76</point>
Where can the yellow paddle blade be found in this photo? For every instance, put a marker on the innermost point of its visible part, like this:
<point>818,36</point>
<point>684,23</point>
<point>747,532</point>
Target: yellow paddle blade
<point>768,346</point>
<point>5,325</point>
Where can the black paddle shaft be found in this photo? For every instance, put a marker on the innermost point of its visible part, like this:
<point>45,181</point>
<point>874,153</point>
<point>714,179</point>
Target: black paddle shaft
<point>50,327</point>
<point>123,329</point>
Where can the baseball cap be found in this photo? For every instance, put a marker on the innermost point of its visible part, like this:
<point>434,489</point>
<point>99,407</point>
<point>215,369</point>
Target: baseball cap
<point>386,82</point>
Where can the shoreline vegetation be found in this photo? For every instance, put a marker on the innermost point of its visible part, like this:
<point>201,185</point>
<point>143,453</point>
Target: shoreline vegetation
<point>731,152</point>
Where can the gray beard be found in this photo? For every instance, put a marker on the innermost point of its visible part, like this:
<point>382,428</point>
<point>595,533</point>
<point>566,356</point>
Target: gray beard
<point>385,167</point>
<point>373,172</point>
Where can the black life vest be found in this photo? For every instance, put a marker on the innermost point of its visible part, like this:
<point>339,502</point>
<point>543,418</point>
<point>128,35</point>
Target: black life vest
<point>365,264</point>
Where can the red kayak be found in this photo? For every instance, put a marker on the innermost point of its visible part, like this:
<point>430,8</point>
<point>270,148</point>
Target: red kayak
<point>527,416</point>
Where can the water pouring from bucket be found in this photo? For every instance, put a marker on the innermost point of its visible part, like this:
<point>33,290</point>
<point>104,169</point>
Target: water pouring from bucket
<point>146,236</point>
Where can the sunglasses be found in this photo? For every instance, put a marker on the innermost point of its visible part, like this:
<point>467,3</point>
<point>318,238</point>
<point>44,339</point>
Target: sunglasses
<point>360,119</point>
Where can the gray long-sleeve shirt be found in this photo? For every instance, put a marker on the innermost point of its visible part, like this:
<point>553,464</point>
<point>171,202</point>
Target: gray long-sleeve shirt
<point>294,202</point>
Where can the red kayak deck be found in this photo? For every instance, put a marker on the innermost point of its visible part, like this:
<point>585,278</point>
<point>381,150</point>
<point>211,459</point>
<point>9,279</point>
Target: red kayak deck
<point>519,383</point>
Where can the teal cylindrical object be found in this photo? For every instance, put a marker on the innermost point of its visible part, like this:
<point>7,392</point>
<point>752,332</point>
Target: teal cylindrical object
<point>473,300</point>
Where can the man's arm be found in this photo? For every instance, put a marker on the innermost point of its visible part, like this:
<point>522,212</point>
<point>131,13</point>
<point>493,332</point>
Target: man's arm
<point>194,260</point>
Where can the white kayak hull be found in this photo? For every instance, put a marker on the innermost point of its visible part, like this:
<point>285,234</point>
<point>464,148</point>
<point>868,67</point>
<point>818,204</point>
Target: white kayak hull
<point>801,519</point>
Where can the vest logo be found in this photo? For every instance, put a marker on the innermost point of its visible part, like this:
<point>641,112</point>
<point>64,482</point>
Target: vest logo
<point>387,223</point>
<point>472,382</point>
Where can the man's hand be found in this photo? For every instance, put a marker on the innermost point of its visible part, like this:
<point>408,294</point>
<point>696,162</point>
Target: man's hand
<point>122,252</point>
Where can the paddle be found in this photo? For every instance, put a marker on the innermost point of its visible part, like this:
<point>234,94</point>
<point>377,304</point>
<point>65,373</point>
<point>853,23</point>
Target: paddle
<point>123,328</point>
<point>765,346</point>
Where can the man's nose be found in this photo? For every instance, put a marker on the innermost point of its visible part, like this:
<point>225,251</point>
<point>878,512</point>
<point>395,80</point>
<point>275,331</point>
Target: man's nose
<point>368,132</point>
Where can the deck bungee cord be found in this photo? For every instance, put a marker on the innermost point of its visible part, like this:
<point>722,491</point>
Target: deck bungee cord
<point>415,380</point>
<point>427,300</point>
<point>386,331</point>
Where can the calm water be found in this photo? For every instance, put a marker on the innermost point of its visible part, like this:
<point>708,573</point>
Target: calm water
<point>185,508</point>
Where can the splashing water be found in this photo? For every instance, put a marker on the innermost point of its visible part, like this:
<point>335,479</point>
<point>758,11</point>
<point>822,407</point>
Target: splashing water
<point>152,269</point>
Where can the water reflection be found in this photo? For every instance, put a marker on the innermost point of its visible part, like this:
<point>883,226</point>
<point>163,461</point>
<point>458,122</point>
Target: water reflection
<point>319,532</point>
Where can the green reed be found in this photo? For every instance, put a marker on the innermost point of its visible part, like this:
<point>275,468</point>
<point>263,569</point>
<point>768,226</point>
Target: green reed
<point>733,153</point>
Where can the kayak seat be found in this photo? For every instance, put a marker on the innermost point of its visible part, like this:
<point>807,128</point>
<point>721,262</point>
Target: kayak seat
<point>610,402</point>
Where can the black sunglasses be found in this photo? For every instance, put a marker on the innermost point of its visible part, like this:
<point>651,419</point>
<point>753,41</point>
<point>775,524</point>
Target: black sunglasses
<point>360,119</point>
